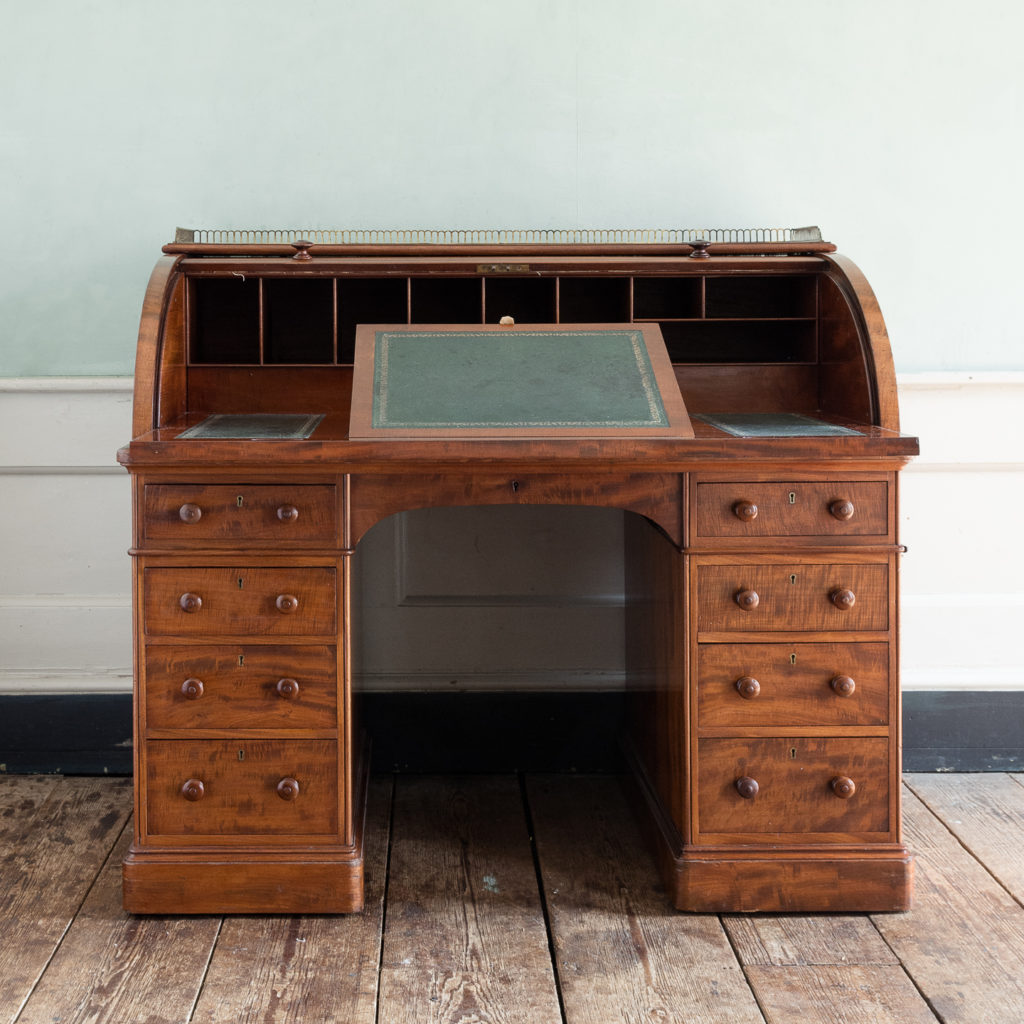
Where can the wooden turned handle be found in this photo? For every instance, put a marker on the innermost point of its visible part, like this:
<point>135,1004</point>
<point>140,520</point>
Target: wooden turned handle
<point>748,600</point>
<point>747,787</point>
<point>700,249</point>
<point>745,510</point>
<point>189,513</point>
<point>193,789</point>
<point>288,688</point>
<point>287,513</point>
<point>843,685</point>
<point>192,688</point>
<point>843,599</point>
<point>287,603</point>
<point>190,602</point>
<point>301,247</point>
<point>748,687</point>
<point>842,509</point>
<point>288,789</point>
<point>843,787</point>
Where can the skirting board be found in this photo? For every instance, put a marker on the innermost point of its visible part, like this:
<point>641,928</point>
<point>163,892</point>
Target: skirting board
<point>89,734</point>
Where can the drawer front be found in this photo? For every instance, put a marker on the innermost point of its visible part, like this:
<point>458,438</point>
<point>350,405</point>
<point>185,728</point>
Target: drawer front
<point>245,602</point>
<point>793,509</point>
<point>191,514</point>
<point>246,787</point>
<point>241,687</point>
<point>748,685</point>
<point>752,598</point>
<point>795,785</point>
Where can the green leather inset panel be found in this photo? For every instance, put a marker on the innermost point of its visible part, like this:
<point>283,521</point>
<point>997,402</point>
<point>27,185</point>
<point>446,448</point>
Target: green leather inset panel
<point>523,378</point>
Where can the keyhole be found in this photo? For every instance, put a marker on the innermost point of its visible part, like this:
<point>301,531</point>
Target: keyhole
<point>792,659</point>
<point>241,755</point>
<point>792,498</point>
<point>792,577</point>
<point>515,486</point>
<point>241,660</point>
<point>792,753</point>
<point>239,500</point>
<point>240,583</point>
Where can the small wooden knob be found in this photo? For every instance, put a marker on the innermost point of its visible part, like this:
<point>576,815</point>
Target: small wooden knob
<point>189,513</point>
<point>192,688</point>
<point>842,509</point>
<point>302,247</point>
<point>843,599</point>
<point>700,249</point>
<point>287,603</point>
<point>193,789</point>
<point>843,787</point>
<point>843,685</point>
<point>745,510</point>
<point>748,600</point>
<point>747,787</point>
<point>288,789</point>
<point>287,513</point>
<point>190,602</point>
<point>748,687</point>
<point>288,688</point>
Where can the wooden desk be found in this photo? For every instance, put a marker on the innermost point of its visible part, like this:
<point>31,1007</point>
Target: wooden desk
<point>762,571</point>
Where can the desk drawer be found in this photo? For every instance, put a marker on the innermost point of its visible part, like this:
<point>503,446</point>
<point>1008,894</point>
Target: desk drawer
<point>192,514</point>
<point>799,596</point>
<point>749,685</point>
<point>795,785</point>
<point>247,787</point>
<point>234,687</point>
<point>266,601</point>
<point>807,508</point>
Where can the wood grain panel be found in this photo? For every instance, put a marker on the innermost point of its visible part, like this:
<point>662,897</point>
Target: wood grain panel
<point>792,508</point>
<point>240,782</point>
<point>796,597</point>
<point>794,793</point>
<point>243,601</point>
<point>241,687</point>
<point>188,515</point>
<point>793,685</point>
<point>658,496</point>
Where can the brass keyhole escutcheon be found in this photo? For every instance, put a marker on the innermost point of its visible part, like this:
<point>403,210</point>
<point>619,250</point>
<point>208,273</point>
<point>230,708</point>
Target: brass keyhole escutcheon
<point>792,577</point>
<point>792,497</point>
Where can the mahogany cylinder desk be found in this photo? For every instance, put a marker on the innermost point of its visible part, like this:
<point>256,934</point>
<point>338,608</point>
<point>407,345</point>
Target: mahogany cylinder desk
<point>761,547</point>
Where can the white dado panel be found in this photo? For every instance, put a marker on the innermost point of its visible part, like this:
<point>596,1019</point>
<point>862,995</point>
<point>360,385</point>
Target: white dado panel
<point>495,598</point>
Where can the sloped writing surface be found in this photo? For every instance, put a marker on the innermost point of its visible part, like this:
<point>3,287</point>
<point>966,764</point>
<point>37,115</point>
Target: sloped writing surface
<point>537,380</point>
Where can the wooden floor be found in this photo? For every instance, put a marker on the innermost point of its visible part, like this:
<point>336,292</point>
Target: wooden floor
<point>494,898</point>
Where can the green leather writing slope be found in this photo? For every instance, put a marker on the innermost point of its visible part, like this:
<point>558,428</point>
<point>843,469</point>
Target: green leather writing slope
<point>569,380</point>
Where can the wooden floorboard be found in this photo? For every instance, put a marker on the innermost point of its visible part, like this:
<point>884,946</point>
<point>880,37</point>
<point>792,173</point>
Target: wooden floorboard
<point>55,842</point>
<point>622,953</point>
<point>321,968</point>
<point>986,813</point>
<point>487,907</point>
<point>465,938</point>
<point>962,942</point>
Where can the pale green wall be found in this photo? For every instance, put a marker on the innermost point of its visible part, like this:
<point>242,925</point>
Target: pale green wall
<point>895,124</point>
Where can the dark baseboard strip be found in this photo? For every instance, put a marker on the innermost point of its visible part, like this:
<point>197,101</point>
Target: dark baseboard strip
<point>90,734</point>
